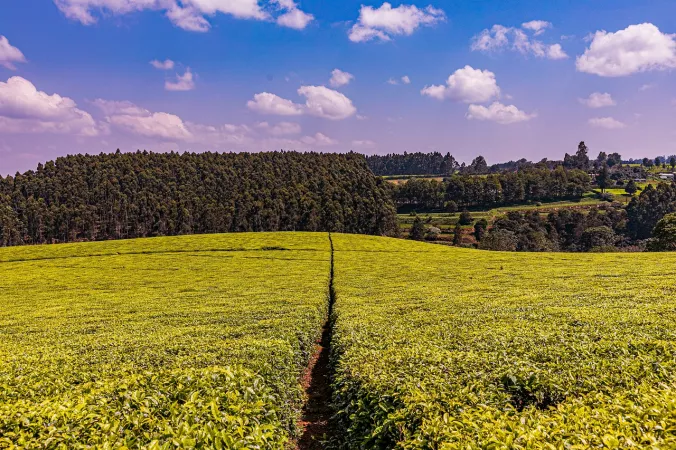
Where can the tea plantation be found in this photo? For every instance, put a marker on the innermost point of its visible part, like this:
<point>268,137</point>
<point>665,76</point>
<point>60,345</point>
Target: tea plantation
<point>462,349</point>
<point>179,342</point>
<point>201,342</point>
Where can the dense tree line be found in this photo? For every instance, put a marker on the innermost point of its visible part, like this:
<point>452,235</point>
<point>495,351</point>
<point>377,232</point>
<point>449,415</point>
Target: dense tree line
<point>413,164</point>
<point>467,191</point>
<point>648,208</point>
<point>563,230</point>
<point>129,195</point>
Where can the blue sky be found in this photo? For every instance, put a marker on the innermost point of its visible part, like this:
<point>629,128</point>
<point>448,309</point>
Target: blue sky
<point>75,76</point>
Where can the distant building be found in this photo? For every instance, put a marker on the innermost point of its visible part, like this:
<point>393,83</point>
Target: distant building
<point>666,176</point>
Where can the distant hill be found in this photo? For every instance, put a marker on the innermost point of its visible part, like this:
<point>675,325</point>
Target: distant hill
<point>129,195</point>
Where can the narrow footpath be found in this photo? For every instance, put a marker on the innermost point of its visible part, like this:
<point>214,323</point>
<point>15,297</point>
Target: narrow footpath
<point>317,412</point>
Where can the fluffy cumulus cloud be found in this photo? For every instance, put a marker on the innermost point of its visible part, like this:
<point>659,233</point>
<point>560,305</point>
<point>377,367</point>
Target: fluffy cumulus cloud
<point>466,85</point>
<point>497,112</point>
<point>319,140</point>
<point>637,48</point>
<point>183,82</point>
<point>327,103</point>
<point>162,65</point>
<point>340,78</point>
<point>598,100</point>
<point>267,103</point>
<point>536,26</point>
<point>405,79</point>
<point>190,14</point>
<point>24,109</point>
<point>521,40</point>
<point>608,123</point>
<point>9,55</point>
<point>320,101</point>
<point>384,22</point>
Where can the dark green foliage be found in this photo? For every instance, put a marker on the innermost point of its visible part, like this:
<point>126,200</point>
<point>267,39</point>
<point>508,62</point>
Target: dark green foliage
<point>598,238</point>
<point>480,228</point>
<point>467,191</point>
<point>413,164</point>
<point>457,235</point>
<point>647,209</point>
<point>664,235</point>
<point>128,195</point>
<point>603,177</point>
<point>499,241</point>
<point>465,218</point>
<point>566,230</point>
<point>672,162</point>
<point>417,232</point>
<point>579,160</point>
<point>631,187</point>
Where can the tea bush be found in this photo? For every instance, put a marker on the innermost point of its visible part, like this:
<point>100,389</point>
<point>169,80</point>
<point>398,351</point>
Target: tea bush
<point>181,342</point>
<point>448,348</point>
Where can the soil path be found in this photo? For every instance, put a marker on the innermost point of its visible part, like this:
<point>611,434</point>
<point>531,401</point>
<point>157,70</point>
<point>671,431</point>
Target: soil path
<point>317,412</point>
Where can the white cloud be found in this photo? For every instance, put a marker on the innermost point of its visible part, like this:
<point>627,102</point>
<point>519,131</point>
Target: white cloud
<point>466,85</point>
<point>364,144</point>
<point>491,40</point>
<point>392,81</point>
<point>109,108</point>
<point>555,51</point>
<point>637,48</point>
<point>162,65</point>
<point>647,87</point>
<point>9,54</point>
<point>340,78</point>
<point>327,103</point>
<point>384,22</point>
<point>295,19</point>
<point>598,100</point>
<point>156,125</point>
<point>497,112</point>
<point>188,14</point>
<point>319,139</point>
<point>320,101</point>
<point>183,82</point>
<point>536,26</point>
<point>281,129</point>
<point>500,37</point>
<point>24,109</point>
<point>608,123</point>
<point>266,103</point>
<point>405,79</point>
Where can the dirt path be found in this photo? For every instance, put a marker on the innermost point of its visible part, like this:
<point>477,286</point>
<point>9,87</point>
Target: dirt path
<point>317,382</point>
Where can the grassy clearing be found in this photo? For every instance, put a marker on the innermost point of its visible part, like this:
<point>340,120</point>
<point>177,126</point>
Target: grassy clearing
<point>462,349</point>
<point>183,342</point>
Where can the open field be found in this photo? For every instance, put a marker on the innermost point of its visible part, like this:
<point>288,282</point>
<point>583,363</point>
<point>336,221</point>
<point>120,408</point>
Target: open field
<point>161,343</point>
<point>451,348</point>
<point>202,342</point>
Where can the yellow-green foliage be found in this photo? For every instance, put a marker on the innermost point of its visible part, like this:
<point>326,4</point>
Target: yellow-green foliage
<point>461,349</point>
<point>183,342</point>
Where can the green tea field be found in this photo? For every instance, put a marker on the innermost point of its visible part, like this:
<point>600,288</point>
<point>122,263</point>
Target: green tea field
<point>190,342</point>
<point>203,342</point>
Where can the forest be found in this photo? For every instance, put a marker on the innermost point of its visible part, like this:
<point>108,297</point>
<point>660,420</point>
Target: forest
<point>143,194</point>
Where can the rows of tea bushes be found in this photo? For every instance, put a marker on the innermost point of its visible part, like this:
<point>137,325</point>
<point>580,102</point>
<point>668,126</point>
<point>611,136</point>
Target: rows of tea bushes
<point>450,348</point>
<point>186,342</point>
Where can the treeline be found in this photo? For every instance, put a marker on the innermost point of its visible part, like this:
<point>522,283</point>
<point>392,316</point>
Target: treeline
<point>599,229</point>
<point>130,195</point>
<point>604,228</point>
<point>413,164</point>
<point>468,191</point>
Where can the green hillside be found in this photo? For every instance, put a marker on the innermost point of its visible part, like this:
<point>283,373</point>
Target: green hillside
<point>201,342</point>
<point>166,342</point>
